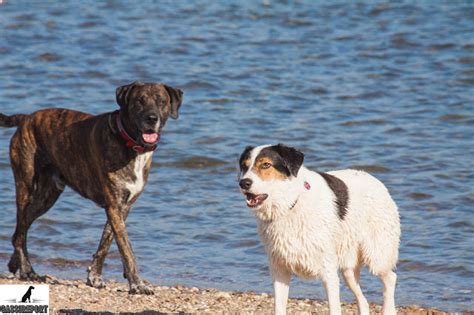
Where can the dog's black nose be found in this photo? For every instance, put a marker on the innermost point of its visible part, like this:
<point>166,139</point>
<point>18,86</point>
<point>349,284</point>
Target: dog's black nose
<point>245,183</point>
<point>152,118</point>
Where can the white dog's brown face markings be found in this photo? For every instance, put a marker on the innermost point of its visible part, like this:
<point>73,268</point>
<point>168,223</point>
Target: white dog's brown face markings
<point>262,168</point>
<point>266,168</point>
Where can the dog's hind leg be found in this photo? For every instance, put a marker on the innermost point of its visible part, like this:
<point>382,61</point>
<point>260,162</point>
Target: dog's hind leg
<point>389,280</point>
<point>35,195</point>
<point>94,272</point>
<point>351,276</point>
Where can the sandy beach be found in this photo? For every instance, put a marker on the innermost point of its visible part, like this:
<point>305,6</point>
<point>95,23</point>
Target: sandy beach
<point>74,297</point>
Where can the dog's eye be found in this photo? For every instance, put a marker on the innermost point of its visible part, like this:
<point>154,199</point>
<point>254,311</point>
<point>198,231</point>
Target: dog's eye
<point>265,165</point>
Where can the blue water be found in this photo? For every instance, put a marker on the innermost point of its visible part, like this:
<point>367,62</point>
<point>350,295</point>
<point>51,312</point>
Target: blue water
<point>383,87</point>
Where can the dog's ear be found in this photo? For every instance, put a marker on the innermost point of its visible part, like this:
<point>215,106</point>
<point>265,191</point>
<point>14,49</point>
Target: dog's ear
<point>122,93</point>
<point>176,98</point>
<point>292,158</point>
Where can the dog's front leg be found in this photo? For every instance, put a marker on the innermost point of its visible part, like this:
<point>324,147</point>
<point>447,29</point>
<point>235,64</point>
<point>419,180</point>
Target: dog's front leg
<point>331,284</point>
<point>281,286</point>
<point>128,259</point>
<point>94,272</point>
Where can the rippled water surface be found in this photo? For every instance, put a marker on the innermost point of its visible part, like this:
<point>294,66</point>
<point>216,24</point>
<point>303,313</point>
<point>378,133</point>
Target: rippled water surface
<point>383,87</point>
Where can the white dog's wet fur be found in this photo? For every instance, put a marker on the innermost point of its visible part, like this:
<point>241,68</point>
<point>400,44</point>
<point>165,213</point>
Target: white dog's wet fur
<point>314,225</point>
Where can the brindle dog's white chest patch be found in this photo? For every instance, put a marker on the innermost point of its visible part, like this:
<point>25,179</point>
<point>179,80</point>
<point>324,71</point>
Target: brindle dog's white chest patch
<point>136,186</point>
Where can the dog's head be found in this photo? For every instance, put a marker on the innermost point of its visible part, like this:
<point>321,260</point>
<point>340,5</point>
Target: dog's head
<point>267,178</point>
<point>145,108</point>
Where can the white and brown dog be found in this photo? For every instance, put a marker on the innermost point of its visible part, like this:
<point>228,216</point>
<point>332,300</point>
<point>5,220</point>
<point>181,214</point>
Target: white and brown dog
<point>315,224</point>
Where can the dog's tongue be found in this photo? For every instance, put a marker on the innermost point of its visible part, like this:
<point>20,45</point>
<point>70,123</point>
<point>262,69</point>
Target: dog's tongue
<point>253,201</point>
<point>150,137</point>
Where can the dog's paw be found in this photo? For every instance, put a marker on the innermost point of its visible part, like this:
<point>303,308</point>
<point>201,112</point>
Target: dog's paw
<point>95,281</point>
<point>14,263</point>
<point>140,289</point>
<point>31,275</point>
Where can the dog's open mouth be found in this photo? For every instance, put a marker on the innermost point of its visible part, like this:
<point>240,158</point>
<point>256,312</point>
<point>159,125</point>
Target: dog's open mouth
<point>255,200</point>
<point>150,137</point>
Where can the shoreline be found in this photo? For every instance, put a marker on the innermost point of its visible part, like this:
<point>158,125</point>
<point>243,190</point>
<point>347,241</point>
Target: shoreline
<point>75,297</point>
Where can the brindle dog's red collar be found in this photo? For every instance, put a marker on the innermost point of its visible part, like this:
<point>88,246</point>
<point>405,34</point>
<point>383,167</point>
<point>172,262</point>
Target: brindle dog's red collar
<point>129,141</point>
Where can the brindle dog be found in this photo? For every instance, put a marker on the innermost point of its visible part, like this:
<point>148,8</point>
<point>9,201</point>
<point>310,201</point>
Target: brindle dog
<point>105,158</point>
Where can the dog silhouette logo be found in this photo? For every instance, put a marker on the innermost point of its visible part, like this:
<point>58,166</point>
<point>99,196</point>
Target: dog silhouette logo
<point>24,299</point>
<point>27,295</point>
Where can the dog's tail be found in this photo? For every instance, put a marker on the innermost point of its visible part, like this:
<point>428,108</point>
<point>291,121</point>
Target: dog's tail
<point>11,121</point>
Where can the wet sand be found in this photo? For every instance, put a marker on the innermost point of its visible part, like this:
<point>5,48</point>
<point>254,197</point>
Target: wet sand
<point>74,297</point>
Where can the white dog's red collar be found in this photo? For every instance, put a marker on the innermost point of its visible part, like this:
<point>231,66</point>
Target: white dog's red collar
<point>308,187</point>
